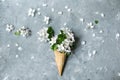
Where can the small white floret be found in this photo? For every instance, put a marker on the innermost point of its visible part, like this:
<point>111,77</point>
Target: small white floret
<point>44,5</point>
<point>46,19</point>
<point>66,7</point>
<point>16,44</point>
<point>94,52</point>
<point>8,45</point>
<point>101,31</point>
<point>20,48</point>
<point>117,35</point>
<point>69,10</point>
<point>102,15</point>
<point>81,19</point>
<point>93,34</point>
<point>52,9</point>
<point>9,27</point>
<point>83,42</point>
<point>60,12</point>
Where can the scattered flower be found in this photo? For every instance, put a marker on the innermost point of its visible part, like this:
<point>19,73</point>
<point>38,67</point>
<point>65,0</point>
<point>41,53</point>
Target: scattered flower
<point>20,48</point>
<point>96,12</point>
<point>60,12</point>
<point>39,13</point>
<point>90,25</point>
<point>89,54</point>
<point>93,34</point>
<point>38,9</point>
<point>101,31</point>
<point>8,45</point>
<point>32,57</point>
<point>25,32</point>
<point>16,44</point>
<point>2,0</point>
<point>102,15</point>
<point>69,10</point>
<point>46,19</point>
<point>65,24</point>
<point>44,5</point>
<point>83,42</point>
<point>66,7</point>
<point>9,27</point>
<point>31,12</point>
<point>94,52</point>
<point>118,73</point>
<point>16,56</point>
<point>52,9</point>
<point>117,35</point>
<point>82,20</point>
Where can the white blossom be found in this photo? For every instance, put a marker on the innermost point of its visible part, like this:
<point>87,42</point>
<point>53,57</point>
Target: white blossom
<point>44,5</point>
<point>31,12</point>
<point>43,35</point>
<point>20,48</point>
<point>90,25</point>
<point>25,32</point>
<point>102,15</point>
<point>9,27</point>
<point>46,19</point>
<point>117,36</point>
<point>53,40</point>
<point>52,9</point>
<point>60,12</point>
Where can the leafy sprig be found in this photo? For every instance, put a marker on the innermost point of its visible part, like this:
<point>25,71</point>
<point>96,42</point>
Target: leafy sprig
<point>50,31</point>
<point>61,37</point>
<point>17,33</point>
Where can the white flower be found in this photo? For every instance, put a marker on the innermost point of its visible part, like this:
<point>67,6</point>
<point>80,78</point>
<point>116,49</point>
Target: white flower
<point>25,32</point>
<point>31,12</point>
<point>61,48</point>
<point>43,35</point>
<point>46,19</point>
<point>9,27</point>
<point>53,40</point>
<point>65,46</point>
<point>66,30</point>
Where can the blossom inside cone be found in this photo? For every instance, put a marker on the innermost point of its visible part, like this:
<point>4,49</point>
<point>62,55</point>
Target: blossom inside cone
<point>61,44</point>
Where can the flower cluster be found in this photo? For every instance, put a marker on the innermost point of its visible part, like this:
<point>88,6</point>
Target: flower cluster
<point>25,32</point>
<point>63,42</point>
<point>45,34</point>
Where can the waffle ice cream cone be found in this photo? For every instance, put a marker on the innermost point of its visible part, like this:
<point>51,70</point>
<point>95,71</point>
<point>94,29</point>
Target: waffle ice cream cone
<point>60,61</point>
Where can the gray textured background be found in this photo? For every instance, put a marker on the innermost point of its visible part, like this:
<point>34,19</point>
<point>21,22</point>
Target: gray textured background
<point>36,60</point>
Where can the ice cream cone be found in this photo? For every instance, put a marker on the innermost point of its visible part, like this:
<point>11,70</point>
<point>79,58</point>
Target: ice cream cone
<point>60,61</point>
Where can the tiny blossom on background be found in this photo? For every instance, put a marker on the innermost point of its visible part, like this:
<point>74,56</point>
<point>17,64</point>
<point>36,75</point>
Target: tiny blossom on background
<point>9,27</point>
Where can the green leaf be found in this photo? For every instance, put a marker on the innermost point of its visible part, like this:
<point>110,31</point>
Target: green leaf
<point>96,21</point>
<point>50,31</point>
<point>17,33</point>
<point>54,47</point>
<point>61,38</point>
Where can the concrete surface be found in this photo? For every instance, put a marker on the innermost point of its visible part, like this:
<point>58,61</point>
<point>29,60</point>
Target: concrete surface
<point>98,59</point>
